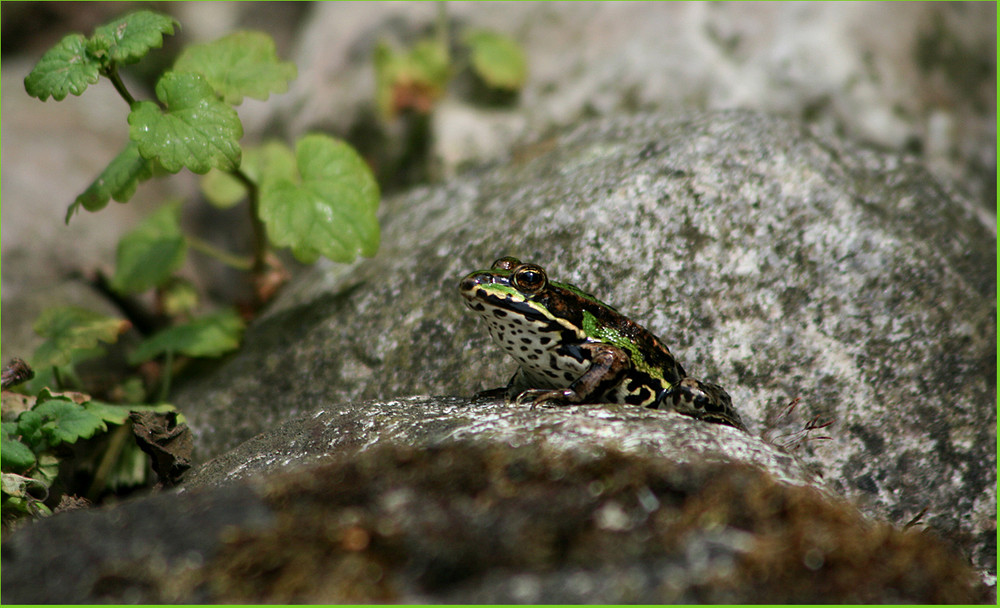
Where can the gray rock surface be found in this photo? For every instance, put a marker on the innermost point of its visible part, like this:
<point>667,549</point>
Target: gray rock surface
<point>349,428</point>
<point>780,263</point>
<point>128,553</point>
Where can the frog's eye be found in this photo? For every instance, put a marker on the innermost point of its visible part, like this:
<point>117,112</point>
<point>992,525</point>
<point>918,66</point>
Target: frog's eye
<point>506,263</point>
<point>528,277</point>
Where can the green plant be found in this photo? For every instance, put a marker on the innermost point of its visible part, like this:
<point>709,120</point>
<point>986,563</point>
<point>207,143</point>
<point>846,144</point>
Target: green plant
<point>39,435</point>
<point>319,199</point>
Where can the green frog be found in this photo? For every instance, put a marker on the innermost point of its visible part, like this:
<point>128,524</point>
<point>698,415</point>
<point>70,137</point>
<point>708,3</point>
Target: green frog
<point>572,348</point>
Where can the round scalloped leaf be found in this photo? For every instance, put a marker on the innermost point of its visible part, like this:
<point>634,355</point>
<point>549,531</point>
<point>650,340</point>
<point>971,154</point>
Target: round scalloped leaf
<point>197,130</point>
<point>497,59</point>
<point>151,252</point>
<point>242,64</point>
<point>65,68</point>
<point>208,336</point>
<point>128,39</point>
<point>329,209</point>
<point>65,421</point>
<point>118,181</point>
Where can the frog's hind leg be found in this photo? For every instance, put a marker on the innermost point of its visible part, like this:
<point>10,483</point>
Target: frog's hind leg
<point>702,400</point>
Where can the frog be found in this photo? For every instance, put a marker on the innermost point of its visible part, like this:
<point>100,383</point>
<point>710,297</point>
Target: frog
<point>572,348</point>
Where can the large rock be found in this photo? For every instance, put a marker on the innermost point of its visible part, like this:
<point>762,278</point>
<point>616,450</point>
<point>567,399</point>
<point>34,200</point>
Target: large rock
<point>781,263</point>
<point>465,523</point>
<point>349,428</point>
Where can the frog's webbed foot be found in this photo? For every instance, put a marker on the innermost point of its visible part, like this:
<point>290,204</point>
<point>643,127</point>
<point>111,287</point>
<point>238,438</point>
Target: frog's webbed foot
<point>704,401</point>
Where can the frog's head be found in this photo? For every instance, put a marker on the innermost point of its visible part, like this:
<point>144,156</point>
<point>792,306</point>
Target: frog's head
<point>515,286</point>
<point>522,309</point>
<point>508,280</point>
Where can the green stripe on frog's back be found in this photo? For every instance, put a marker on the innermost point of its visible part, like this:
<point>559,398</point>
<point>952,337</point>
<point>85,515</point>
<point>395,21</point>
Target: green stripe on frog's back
<point>604,333</point>
<point>601,322</point>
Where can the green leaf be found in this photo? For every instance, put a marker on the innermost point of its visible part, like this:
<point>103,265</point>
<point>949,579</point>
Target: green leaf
<point>222,189</point>
<point>118,181</point>
<point>272,159</point>
<point>241,64</point>
<point>29,429</point>
<point>68,329</point>
<point>497,59</point>
<point>430,63</point>
<point>47,469</point>
<point>128,39</point>
<point>208,336</point>
<point>197,131</point>
<point>118,414</point>
<point>178,297</point>
<point>131,468</point>
<point>67,422</point>
<point>412,79</point>
<point>14,455</point>
<point>148,254</point>
<point>63,69</point>
<point>328,209</point>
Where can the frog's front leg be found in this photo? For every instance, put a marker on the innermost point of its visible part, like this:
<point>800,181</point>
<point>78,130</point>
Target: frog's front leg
<point>607,363</point>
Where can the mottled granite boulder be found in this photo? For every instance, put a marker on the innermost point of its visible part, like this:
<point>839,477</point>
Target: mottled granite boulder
<point>776,261</point>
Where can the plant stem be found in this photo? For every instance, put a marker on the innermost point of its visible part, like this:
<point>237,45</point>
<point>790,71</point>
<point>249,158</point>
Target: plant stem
<point>235,261</point>
<point>259,231</point>
<point>168,370</point>
<point>115,444</point>
<point>57,377</point>
<point>112,74</point>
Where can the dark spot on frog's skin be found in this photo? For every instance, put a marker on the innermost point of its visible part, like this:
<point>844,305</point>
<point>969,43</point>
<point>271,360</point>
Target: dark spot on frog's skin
<point>643,395</point>
<point>499,313</point>
<point>569,376</point>
<point>545,340</point>
<point>551,374</point>
<point>526,340</point>
<point>538,351</point>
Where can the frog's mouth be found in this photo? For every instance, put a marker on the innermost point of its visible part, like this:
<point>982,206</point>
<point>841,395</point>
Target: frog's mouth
<point>502,304</point>
<point>472,284</point>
